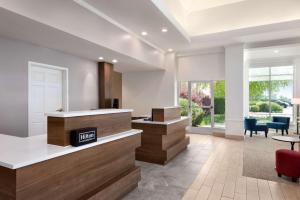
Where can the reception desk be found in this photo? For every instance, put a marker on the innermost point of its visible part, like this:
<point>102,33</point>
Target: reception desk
<point>162,140</point>
<point>32,169</point>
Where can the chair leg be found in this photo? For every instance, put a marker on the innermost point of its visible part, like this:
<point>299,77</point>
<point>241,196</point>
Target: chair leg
<point>245,132</point>
<point>266,134</point>
<point>279,175</point>
<point>256,132</point>
<point>251,133</point>
<point>287,131</point>
<point>282,132</point>
<point>276,130</point>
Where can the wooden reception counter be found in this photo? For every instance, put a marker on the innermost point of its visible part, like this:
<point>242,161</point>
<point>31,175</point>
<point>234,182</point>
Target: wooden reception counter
<point>162,140</point>
<point>31,169</point>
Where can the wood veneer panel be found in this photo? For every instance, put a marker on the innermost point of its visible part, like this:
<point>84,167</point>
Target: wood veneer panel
<point>172,139</point>
<point>160,143</point>
<point>105,71</point>
<point>176,149</point>
<point>153,129</point>
<point>7,183</point>
<point>59,129</point>
<point>178,126</point>
<point>74,175</point>
<point>165,114</point>
<point>120,186</point>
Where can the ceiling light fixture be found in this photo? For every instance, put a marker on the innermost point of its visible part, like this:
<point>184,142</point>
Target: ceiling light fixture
<point>144,33</point>
<point>100,58</point>
<point>164,30</point>
<point>114,60</point>
<point>276,51</point>
<point>170,50</point>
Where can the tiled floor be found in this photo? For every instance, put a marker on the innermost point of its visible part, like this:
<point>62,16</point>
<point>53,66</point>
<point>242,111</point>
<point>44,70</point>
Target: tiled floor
<point>211,169</point>
<point>171,181</point>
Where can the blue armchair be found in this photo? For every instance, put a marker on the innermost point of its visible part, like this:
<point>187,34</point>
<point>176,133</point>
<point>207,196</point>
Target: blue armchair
<point>280,123</point>
<point>251,125</point>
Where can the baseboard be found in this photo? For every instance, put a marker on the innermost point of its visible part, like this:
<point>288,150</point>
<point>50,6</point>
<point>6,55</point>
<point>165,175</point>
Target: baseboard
<point>218,134</point>
<point>234,137</point>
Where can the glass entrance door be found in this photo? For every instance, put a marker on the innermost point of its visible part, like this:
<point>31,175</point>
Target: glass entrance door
<point>201,104</point>
<point>204,102</point>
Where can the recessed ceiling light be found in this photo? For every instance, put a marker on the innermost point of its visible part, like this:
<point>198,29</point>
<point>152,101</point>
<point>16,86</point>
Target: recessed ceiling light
<point>170,50</point>
<point>164,30</point>
<point>114,60</point>
<point>144,33</point>
<point>276,51</point>
<point>100,58</point>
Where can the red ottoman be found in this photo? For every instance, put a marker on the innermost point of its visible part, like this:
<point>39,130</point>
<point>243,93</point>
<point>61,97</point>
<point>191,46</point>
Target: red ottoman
<point>288,163</point>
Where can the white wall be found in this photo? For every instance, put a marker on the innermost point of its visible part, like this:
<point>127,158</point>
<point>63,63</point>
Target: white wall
<point>14,57</point>
<point>210,66</point>
<point>234,90</point>
<point>144,90</point>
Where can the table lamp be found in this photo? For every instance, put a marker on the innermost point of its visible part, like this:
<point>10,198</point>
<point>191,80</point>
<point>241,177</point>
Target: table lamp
<point>296,101</point>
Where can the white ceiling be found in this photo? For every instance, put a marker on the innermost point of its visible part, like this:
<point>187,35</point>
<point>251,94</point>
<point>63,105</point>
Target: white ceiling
<point>111,28</point>
<point>14,26</point>
<point>197,5</point>
<point>142,15</point>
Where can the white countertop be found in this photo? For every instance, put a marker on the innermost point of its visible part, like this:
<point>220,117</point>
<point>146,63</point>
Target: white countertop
<point>19,152</point>
<point>167,107</point>
<point>142,121</point>
<point>87,112</point>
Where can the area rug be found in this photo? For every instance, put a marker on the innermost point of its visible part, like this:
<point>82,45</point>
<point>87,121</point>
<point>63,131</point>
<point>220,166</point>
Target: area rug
<point>259,157</point>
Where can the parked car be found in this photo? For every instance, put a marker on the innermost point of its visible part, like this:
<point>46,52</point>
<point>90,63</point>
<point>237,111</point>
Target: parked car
<point>281,103</point>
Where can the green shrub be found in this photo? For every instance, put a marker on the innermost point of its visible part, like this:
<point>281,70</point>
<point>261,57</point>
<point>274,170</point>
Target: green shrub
<point>219,105</point>
<point>254,108</point>
<point>276,108</point>
<point>184,104</point>
<point>197,112</point>
<point>264,107</point>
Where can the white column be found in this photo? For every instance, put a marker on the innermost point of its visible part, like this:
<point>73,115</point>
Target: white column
<point>297,77</point>
<point>235,74</point>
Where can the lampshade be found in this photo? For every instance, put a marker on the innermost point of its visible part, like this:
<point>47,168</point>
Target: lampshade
<point>296,101</point>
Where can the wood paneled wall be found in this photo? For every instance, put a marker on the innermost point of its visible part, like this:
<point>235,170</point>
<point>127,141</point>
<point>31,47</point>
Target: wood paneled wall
<point>110,85</point>
<point>117,87</point>
<point>105,84</point>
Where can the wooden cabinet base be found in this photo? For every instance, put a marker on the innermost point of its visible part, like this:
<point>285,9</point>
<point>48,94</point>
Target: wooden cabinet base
<point>161,142</point>
<point>103,172</point>
<point>119,187</point>
<point>161,156</point>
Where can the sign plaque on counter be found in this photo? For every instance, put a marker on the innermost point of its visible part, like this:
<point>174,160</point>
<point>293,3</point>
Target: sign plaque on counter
<point>83,136</point>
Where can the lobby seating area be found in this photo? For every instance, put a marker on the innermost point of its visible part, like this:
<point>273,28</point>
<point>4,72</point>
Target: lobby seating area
<point>278,123</point>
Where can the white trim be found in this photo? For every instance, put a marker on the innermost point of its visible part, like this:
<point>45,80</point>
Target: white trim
<point>161,6</point>
<point>65,84</point>
<point>97,12</point>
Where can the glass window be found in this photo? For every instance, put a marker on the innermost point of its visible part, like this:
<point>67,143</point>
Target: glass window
<point>270,92</point>
<point>219,103</point>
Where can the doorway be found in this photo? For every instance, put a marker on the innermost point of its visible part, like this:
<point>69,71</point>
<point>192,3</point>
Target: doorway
<point>47,92</point>
<point>204,103</point>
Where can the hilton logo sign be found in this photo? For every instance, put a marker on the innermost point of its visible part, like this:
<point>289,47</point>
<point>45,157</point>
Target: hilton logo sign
<point>83,136</point>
